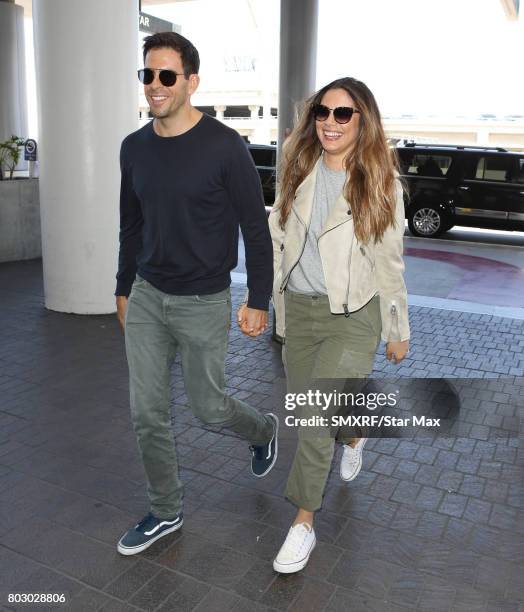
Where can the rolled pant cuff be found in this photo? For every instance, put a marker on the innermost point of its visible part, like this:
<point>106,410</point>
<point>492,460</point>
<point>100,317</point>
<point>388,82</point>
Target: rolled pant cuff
<point>304,505</point>
<point>163,515</point>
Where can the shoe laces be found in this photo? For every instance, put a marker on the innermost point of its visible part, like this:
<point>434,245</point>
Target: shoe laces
<point>147,520</point>
<point>258,451</point>
<point>350,455</point>
<point>296,535</point>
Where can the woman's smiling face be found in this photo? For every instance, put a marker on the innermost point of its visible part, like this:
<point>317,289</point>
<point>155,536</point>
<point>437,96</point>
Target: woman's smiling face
<point>337,139</point>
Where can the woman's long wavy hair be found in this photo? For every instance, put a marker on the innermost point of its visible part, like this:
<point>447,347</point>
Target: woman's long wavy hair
<point>371,165</point>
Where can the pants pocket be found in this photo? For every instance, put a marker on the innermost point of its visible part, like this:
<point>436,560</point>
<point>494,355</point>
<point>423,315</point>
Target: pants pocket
<point>139,281</point>
<point>222,297</point>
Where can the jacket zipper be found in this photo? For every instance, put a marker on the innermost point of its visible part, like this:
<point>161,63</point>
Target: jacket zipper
<point>285,280</point>
<point>345,306</point>
<point>394,320</point>
<point>365,254</point>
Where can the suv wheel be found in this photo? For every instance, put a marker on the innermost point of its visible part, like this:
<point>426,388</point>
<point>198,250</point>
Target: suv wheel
<point>427,222</point>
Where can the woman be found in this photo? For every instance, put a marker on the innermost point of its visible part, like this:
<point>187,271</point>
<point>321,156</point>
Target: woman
<point>337,231</point>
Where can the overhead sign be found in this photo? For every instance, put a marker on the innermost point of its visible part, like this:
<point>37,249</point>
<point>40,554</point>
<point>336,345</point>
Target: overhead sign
<point>240,63</point>
<point>30,150</point>
<point>152,25</point>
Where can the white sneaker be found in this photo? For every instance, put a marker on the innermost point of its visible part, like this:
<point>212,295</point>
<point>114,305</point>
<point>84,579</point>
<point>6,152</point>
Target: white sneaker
<point>351,462</point>
<point>294,554</point>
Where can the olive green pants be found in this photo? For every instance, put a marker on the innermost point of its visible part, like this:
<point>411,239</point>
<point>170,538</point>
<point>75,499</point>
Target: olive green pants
<point>158,326</point>
<point>320,345</point>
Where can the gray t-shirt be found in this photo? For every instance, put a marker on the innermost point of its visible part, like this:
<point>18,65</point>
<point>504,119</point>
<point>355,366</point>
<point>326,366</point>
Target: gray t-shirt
<point>307,276</point>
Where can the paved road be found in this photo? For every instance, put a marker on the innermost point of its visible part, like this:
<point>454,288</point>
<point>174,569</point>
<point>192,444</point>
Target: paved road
<point>477,235</point>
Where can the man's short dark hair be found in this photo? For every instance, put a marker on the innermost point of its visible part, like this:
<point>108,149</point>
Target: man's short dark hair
<point>188,52</point>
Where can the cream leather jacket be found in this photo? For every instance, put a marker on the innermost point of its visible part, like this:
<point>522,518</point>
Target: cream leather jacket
<point>353,272</point>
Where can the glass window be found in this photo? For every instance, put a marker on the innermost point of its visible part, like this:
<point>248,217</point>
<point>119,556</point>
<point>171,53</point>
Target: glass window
<point>425,164</point>
<point>493,169</point>
<point>519,177</point>
<point>263,157</point>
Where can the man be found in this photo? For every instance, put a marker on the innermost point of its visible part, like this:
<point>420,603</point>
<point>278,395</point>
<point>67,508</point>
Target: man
<point>188,181</point>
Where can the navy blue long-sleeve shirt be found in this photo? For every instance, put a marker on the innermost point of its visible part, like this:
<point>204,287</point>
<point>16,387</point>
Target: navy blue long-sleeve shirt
<point>182,200</point>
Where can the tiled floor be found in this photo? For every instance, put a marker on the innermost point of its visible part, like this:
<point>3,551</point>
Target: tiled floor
<point>431,523</point>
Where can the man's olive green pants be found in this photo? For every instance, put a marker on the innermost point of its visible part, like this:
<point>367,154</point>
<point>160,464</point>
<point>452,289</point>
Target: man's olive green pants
<point>321,346</point>
<point>157,326</point>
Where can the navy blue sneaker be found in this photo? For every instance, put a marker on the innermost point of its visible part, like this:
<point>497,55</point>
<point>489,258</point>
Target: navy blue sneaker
<point>149,530</point>
<point>264,456</point>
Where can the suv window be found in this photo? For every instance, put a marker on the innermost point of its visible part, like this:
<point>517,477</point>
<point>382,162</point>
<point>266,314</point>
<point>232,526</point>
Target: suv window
<point>263,157</point>
<point>493,168</point>
<point>519,176</point>
<point>425,164</point>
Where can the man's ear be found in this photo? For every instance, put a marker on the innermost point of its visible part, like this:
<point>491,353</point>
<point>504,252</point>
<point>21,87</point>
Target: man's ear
<point>194,81</point>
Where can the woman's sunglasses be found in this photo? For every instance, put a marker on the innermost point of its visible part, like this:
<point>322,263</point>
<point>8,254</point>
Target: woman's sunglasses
<point>342,114</point>
<point>167,77</point>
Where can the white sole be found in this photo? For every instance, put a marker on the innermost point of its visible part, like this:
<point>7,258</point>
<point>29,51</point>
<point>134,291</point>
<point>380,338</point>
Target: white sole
<point>359,466</point>
<point>291,568</point>
<point>274,456</point>
<point>134,550</point>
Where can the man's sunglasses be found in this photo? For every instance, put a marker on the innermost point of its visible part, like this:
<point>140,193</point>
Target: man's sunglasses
<point>167,77</point>
<point>342,114</point>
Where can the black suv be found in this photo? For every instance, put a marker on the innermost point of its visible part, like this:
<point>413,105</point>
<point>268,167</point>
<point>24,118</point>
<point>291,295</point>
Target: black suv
<point>265,158</point>
<point>460,185</point>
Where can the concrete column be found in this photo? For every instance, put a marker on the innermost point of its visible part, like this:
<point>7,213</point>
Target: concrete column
<point>254,108</point>
<point>86,56</point>
<point>13,101</point>
<point>260,133</point>
<point>220,110</point>
<point>298,58</point>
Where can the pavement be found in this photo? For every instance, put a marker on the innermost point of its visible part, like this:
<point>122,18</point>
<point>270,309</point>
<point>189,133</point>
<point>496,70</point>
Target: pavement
<point>432,523</point>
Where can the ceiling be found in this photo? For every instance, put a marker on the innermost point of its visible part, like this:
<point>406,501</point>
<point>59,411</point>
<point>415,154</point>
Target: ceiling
<point>28,4</point>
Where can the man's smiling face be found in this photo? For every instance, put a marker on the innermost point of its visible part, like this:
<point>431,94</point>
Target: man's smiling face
<point>166,101</point>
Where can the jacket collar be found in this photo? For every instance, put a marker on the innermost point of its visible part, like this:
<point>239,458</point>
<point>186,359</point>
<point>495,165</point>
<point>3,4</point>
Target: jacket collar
<point>303,203</point>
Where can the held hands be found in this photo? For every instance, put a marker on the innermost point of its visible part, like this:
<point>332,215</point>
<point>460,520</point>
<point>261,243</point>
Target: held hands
<point>251,321</point>
<point>396,351</point>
